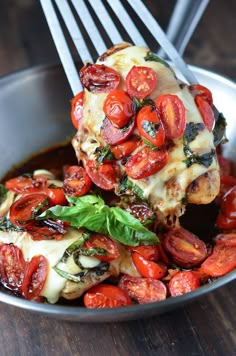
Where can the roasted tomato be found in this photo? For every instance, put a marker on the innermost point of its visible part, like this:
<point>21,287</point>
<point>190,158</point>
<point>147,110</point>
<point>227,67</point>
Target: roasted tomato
<point>124,150</point>
<point>206,112</point>
<point>103,175</point>
<point>102,241</point>
<point>24,210</point>
<point>222,261</point>
<point>113,135</point>
<point>172,114</point>
<point>77,109</point>
<point>140,81</point>
<point>46,232</point>
<point>146,162</point>
<point>183,282</point>
<point>225,223</point>
<point>26,185</point>
<point>228,239</point>
<point>77,183</point>
<point>226,183</point>
<point>12,266</point>
<point>36,272</point>
<point>143,290</point>
<point>106,296</point>
<point>147,268</point>
<point>142,212</point>
<point>185,248</point>
<point>200,90</point>
<point>149,252</point>
<point>225,166</point>
<point>98,78</point>
<point>119,108</point>
<point>228,204</point>
<point>56,196</point>
<point>150,126</point>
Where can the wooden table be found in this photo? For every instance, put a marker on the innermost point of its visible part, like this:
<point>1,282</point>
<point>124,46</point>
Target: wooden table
<point>204,327</point>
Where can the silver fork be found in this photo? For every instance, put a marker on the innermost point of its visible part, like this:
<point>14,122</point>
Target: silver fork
<point>93,13</point>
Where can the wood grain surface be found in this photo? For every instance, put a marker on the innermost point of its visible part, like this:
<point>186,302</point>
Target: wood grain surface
<point>203,327</point>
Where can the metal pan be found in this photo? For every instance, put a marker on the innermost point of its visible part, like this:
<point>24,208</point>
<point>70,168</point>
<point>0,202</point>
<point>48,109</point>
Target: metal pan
<point>34,115</point>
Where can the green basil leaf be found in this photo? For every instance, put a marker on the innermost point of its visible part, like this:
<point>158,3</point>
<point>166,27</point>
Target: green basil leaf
<point>3,193</point>
<point>219,130</point>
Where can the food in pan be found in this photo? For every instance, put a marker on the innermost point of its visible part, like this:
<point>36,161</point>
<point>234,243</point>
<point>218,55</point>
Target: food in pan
<point>107,231</point>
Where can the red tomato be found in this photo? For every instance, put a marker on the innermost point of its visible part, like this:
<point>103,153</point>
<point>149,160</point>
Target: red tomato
<point>77,109</point>
<point>12,266</point>
<point>163,256</point>
<point>185,248</point>
<point>228,204</point>
<point>103,175</point>
<point>172,114</point>
<point>98,78</point>
<point>142,212</point>
<point>200,90</point>
<point>225,166</point>
<point>183,282</point>
<point>113,135</point>
<point>125,149</point>
<point>150,126</point>
<point>119,108</point>
<point>148,268</point>
<point>106,296</point>
<point>140,81</point>
<point>228,239</point>
<point>146,162</point>
<point>222,261</point>
<point>26,185</point>
<point>44,233</point>
<point>102,241</point>
<point>223,222</point>
<point>148,252</point>
<point>78,183</point>
<point>56,196</point>
<point>226,183</point>
<point>206,112</point>
<point>24,210</point>
<point>144,290</point>
<point>36,272</point>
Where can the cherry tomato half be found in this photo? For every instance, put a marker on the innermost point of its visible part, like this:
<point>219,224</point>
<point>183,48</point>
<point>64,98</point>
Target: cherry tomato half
<point>24,210</point>
<point>102,241</point>
<point>225,223</point>
<point>226,183</point>
<point>113,135</point>
<point>12,266</point>
<point>36,272</point>
<point>147,268</point>
<point>172,114</point>
<point>125,149</point>
<point>149,252</point>
<point>119,108</point>
<point>183,282</point>
<point>77,109</point>
<point>77,183</point>
<point>106,296</point>
<point>56,196</point>
<point>225,165</point>
<point>39,233</point>
<point>200,90</point>
<point>144,290</point>
<point>98,78</point>
<point>222,261</point>
<point>142,212</point>
<point>146,162</point>
<point>140,81</point>
<point>185,248</point>
<point>150,126</point>
<point>228,204</point>
<point>103,175</point>
<point>26,185</point>
<point>206,112</point>
<point>228,239</point>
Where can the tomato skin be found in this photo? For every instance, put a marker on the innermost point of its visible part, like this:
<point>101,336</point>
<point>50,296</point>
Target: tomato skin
<point>172,114</point>
<point>35,277</point>
<point>77,109</point>
<point>125,149</point>
<point>144,290</point>
<point>39,233</point>
<point>78,182</point>
<point>26,185</point>
<point>183,282</point>
<point>119,108</point>
<point>140,81</point>
<point>223,222</point>
<point>163,256</point>
<point>102,241</point>
<point>185,248</point>
<point>225,165</point>
<point>148,269</point>
<point>113,135</point>
<point>143,213</point>
<point>200,90</point>
<point>56,196</point>
<point>228,239</point>
<point>146,162</point>
<point>222,261</point>
<point>98,78</point>
<point>24,210</point>
<point>226,183</point>
<point>228,204</point>
<point>206,112</point>
<point>103,175</point>
<point>106,296</point>
<point>150,126</point>
<point>149,252</point>
<point>12,265</point>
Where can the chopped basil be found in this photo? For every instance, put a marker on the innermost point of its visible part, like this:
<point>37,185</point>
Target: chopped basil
<point>155,58</point>
<point>219,130</point>
<point>98,270</point>
<point>104,153</point>
<point>6,225</point>
<point>128,187</point>
<point>3,193</point>
<point>192,131</point>
<point>149,144</point>
<point>140,103</point>
<point>90,251</point>
<point>150,127</point>
<point>75,246</point>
